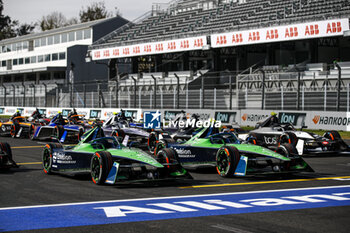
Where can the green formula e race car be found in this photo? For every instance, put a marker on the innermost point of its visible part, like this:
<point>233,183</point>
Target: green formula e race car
<point>108,161</point>
<point>231,156</point>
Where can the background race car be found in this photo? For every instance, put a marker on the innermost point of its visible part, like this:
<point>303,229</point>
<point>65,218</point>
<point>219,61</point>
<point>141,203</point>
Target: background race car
<point>233,158</point>
<point>17,127</point>
<point>108,161</point>
<point>6,160</point>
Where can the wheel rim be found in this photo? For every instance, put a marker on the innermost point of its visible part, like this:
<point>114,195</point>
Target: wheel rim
<point>47,160</point>
<point>222,162</point>
<point>95,169</point>
<point>13,131</point>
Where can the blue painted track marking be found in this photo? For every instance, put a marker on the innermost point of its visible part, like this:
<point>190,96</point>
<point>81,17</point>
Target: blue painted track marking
<point>120,211</point>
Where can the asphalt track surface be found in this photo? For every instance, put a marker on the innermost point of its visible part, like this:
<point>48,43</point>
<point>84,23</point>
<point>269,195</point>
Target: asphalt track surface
<point>29,186</point>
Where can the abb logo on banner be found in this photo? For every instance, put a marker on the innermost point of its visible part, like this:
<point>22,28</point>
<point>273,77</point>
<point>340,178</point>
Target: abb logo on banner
<point>237,38</point>
<point>254,36</point>
<point>171,46</point>
<point>312,30</point>
<point>115,52</point>
<point>334,27</point>
<point>272,34</point>
<point>159,47</point>
<point>147,48</point>
<point>221,40</point>
<point>106,53</point>
<point>198,42</point>
<point>136,50</point>
<point>97,54</point>
<point>291,32</point>
<point>185,44</point>
<point>126,51</point>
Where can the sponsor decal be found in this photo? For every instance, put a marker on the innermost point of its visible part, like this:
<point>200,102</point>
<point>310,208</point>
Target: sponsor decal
<point>131,113</point>
<point>160,208</point>
<point>254,117</point>
<point>331,120</point>
<point>191,123</point>
<point>95,114</point>
<point>152,120</point>
<point>170,115</point>
<point>182,153</point>
<point>272,140</point>
<point>225,117</point>
<point>292,118</point>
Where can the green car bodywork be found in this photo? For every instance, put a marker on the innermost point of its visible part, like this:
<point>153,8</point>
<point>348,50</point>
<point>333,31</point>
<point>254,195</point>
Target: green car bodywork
<point>108,161</point>
<point>233,157</point>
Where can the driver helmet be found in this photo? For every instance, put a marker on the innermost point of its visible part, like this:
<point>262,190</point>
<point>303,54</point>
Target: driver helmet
<point>273,114</point>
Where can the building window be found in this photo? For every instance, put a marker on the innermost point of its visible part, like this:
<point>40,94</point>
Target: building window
<point>19,46</point>
<point>57,39</point>
<point>33,59</point>
<point>25,44</point>
<point>87,34</point>
<point>71,36</point>
<point>54,56</point>
<point>62,56</point>
<point>40,58</point>
<point>64,38</point>
<point>13,47</point>
<point>43,41</point>
<point>37,43</point>
<point>79,35</point>
<point>14,62</point>
<point>27,60</point>
<point>20,61</point>
<point>3,63</point>
<point>50,40</point>
<point>47,57</point>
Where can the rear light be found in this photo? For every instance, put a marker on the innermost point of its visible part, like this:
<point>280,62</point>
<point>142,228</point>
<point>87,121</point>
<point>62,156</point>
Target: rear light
<point>325,143</point>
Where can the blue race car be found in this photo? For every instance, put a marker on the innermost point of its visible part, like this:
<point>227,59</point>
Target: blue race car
<point>59,128</point>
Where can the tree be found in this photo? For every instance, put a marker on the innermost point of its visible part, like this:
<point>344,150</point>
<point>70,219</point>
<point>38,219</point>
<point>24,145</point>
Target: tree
<point>96,10</point>
<point>24,29</point>
<point>52,21</point>
<point>6,24</point>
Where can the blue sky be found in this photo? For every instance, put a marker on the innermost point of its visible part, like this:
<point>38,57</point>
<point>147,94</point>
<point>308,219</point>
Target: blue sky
<point>27,11</point>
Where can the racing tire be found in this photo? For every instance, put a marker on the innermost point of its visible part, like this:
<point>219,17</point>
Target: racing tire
<point>6,148</point>
<point>119,133</point>
<point>47,157</point>
<point>288,138</point>
<point>152,142</point>
<point>59,130</point>
<point>227,159</point>
<point>101,164</point>
<point>332,135</point>
<point>80,134</point>
<point>14,130</point>
<point>253,139</point>
<point>167,156</point>
<point>160,146</point>
<point>287,150</point>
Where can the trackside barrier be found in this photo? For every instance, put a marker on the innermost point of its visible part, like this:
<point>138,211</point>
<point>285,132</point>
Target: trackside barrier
<point>311,119</point>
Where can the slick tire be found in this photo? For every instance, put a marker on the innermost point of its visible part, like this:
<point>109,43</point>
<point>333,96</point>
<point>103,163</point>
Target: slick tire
<point>101,164</point>
<point>160,146</point>
<point>287,150</point>
<point>14,130</point>
<point>227,159</point>
<point>166,156</point>
<point>332,135</point>
<point>47,157</point>
<point>6,149</point>
<point>59,130</point>
<point>288,138</point>
<point>152,142</point>
<point>31,131</point>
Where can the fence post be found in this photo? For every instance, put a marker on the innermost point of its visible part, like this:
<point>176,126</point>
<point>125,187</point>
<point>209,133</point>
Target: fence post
<point>98,94</point>
<point>129,100</point>
<point>140,105</point>
<point>135,87</point>
<point>186,94</point>
<point>298,93</point>
<point>246,97</point>
<point>161,98</point>
<point>84,94</point>
<point>338,87</point>
<point>5,90</point>
<point>174,98</point>
<point>117,93</point>
<point>263,89</point>
<point>71,94</point>
<point>347,99</point>
<point>178,91</point>
<point>230,79</point>
<point>282,98</point>
<point>202,92</point>
<point>214,98</point>
<point>13,95</point>
<point>24,94</point>
<point>325,97</point>
<point>34,95</point>
<point>302,98</point>
<point>155,92</point>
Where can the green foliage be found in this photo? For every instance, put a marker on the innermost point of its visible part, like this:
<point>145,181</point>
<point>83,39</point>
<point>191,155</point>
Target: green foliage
<point>96,10</point>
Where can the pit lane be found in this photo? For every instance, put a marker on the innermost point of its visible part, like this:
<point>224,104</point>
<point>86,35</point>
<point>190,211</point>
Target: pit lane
<point>28,186</point>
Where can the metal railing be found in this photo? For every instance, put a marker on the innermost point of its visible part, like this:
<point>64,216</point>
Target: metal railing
<point>225,90</point>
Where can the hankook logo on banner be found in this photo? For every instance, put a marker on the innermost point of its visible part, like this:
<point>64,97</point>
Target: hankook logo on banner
<point>254,117</point>
<point>226,117</point>
<point>331,120</point>
<point>292,118</point>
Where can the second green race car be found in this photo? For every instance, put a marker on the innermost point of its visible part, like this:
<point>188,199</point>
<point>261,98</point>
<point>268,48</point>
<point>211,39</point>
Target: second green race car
<point>108,161</point>
<point>232,157</point>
